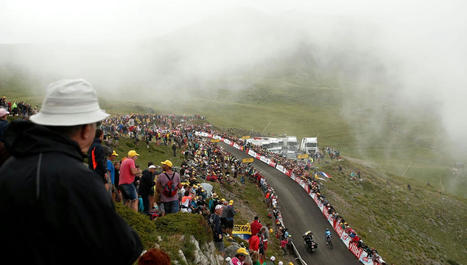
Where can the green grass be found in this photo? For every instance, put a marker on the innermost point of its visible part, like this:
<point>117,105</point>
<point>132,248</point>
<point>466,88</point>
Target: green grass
<point>250,194</point>
<point>174,230</point>
<point>185,224</point>
<point>140,223</point>
<point>155,154</point>
<point>421,226</point>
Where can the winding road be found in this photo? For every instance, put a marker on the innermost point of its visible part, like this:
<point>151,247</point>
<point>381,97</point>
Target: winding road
<point>300,214</point>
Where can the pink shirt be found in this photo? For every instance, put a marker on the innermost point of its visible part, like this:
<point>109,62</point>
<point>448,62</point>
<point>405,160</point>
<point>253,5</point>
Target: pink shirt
<point>236,261</point>
<point>125,172</point>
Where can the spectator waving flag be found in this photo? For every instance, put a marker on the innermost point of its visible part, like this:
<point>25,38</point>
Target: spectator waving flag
<point>324,174</point>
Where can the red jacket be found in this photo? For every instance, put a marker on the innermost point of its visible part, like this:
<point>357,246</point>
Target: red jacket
<point>355,239</point>
<point>255,227</point>
<point>254,243</point>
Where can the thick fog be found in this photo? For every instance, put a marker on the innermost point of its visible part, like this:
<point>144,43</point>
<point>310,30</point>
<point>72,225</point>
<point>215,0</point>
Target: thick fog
<point>409,55</point>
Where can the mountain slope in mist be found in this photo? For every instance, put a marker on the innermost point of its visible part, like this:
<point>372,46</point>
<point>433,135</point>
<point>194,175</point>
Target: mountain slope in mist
<point>255,71</point>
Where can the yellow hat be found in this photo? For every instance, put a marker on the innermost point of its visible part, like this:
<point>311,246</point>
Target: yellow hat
<point>132,153</point>
<point>167,163</point>
<point>223,199</point>
<point>114,153</point>
<point>231,202</point>
<point>291,263</point>
<point>242,251</point>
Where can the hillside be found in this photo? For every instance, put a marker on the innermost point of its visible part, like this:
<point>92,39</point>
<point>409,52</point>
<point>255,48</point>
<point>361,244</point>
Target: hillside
<point>295,94</point>
<point>411,226</point>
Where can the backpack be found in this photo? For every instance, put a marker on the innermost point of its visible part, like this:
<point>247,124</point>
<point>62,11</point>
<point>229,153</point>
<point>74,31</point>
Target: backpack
<point>169,189</point>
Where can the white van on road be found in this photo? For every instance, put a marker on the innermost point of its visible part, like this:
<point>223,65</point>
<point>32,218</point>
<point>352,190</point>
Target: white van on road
<point>309,145</point>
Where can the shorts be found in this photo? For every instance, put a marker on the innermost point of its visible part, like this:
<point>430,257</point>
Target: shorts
<point>128,191</point>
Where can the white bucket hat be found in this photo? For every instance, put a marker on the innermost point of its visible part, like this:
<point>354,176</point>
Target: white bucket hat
<point>69,102</point>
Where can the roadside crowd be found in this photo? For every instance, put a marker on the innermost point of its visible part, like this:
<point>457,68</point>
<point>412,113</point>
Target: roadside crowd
<point>47,192</point>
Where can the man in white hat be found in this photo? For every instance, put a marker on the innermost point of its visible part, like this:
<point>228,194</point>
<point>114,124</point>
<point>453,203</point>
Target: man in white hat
<point>53,208</point>
<point>146,187</point>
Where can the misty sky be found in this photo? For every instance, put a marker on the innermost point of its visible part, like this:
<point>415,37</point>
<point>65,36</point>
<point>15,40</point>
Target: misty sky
<point>28,21</point>
<point>422,45</point>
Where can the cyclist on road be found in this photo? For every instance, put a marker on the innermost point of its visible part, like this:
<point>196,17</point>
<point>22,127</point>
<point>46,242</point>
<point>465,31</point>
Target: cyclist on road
<point>327,233</point>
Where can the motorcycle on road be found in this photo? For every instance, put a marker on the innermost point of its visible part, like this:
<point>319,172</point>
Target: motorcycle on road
<point>310,244</point>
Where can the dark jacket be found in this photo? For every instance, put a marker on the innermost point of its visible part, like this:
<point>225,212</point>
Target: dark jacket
<point>147,183</point>
<point>216,228</point>
<point>3,127</point>
<point>53,209</point>
<point>97,160</point>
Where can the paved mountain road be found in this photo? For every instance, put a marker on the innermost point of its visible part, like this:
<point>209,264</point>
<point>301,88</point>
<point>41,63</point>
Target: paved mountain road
<point>301,214</point>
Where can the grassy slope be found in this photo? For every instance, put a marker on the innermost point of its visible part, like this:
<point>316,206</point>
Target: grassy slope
<point>421,226</point>
<point>155,154</point>
<point>170,229</point>
<point>250,196</point>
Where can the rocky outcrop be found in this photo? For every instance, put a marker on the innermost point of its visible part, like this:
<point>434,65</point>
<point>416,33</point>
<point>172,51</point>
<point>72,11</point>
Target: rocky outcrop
<point>203,255</point>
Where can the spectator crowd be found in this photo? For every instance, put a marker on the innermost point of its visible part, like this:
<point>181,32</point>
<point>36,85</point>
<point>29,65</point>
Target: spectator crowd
<point>47,153</point>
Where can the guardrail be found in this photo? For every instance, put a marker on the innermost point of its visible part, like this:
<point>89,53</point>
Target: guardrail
<point>299,258</point>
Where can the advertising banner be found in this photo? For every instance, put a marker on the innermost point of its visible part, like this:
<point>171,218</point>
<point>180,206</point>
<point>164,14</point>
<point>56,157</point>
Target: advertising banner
<point>365,259</point>
<point>248,160</point>
<point>264,159</point>
<point>338,230</point>
<point>346,239</point>
<point>355,250</point>
<point>242,231</point>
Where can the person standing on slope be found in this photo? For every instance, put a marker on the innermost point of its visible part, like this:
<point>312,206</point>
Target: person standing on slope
<point>96,157</point>
<point>50,202</point>
<point>128,172</point>
<point>168,184</point>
